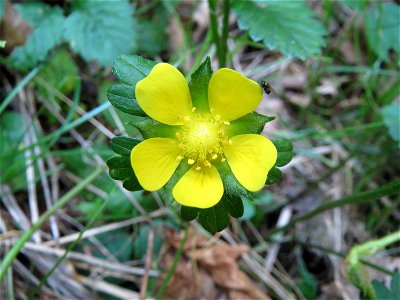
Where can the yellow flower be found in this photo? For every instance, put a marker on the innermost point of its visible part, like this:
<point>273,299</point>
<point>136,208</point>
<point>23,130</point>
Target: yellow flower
<point>202,139</point>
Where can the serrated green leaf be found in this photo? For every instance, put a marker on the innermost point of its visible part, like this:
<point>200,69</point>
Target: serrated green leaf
<point>250,123</point>
<point>198,86</point>
<point>288,26</point>
<point>123,145</point>
<point>382,28</point>
<point>132,184</point>
<point>153,38</point>
<point>120,167</point>
<point>101,30</point>
<point>150,128</point>
<point>61,73</point>
<point>215,218</point>
<point>391,118</point>
<point>48,23</point>
<point>122,97</point>
<point>132,68</point>
<point>234,205</point>
<point>274,176</point>
<point>285,151</point>
<point>189,213</point>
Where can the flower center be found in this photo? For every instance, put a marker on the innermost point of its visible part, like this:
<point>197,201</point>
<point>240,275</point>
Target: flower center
<point>201,138</point>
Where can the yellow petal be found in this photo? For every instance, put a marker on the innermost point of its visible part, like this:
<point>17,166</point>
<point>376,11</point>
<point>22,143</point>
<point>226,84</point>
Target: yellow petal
<point>232,95</point>
<point>154,161</point>
<point>164,95</point>
<point>199,188</point>
<point>250,157</point>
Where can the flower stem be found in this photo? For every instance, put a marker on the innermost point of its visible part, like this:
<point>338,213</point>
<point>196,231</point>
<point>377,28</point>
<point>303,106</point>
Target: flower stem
<point>225,31</point>
<point>214,29</point>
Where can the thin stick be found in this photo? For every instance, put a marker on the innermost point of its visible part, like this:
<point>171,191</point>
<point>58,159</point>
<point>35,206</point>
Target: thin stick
<point>149,256</point>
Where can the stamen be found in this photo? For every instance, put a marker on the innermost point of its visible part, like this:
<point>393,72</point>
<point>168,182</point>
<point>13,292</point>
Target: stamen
<point>190,161</point>
<point>217,117</point>
<point>179,158</point>
<point>230,142</point>
<point>223,159</point>
<point>187,118</point>
<point>178,134</point>
<point>194,109</point>
<point>214,156</point>
<point>212,109</point>
<point>227,123</point>
<point>198,168</point>
<point>207,163</point>
<point>181,146</point>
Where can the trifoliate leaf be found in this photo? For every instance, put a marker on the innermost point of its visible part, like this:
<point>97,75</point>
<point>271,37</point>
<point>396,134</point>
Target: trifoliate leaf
<point>287,26</point>
<point>189,213</point>
<point>233,205</point>
<point>132,68</point>
<point>250,123</point>
<point>391,118</point>
<point>123,145</point>
<point>47,23</point>
<point>150,128</point>
<point>215,218</point>
<point>274,176</point>
<point>101,30</point>
<point>285,151</point>
<point>382,28</point>
<point>121,97</point>
<point>198,86</point>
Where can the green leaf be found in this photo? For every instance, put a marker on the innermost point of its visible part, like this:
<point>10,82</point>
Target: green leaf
<point>250,123</point>
<point>198,86</point>
<point>390,114</point>
<point>120,167</point>
<point>285,151</point>
<point>355,4</point>
<point>122,97</point>
<point>150,128</point>
<point>274,176</point>
<point>141,240</point>
<point>308,284</point>
<point>382,292</point>
<point>288,26</point>
<point>382,28</point>
<point>189,213</point>
<point>132,184</point>
<point>132,68</point>
<point>231,184</point>
<point>215,218</point>
<point>47,23</point>
<point>101,30</point>
<point>249,210</point>
<point>118,242</point>
<point>60,72</point>
<point>233,204</point>
<point>153,38</point>
<point>123,145</point>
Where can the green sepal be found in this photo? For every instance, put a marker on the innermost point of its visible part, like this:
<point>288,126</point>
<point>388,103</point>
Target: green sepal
<point>166,191</point>
<point>250,123</point>
<point>198,86</point>
<point>231,184</point>
<point>123,145</point>
<point>132,68</point>
<point>189,213</point>
<point>233,204</point>
<point>150,128</point>
<point>285,151</point>
<point>122,97</point>
<point>274,176</point>
<point>215,218</point>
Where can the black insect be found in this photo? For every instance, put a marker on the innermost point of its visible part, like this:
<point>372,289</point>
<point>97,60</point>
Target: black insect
<point>267,88</point>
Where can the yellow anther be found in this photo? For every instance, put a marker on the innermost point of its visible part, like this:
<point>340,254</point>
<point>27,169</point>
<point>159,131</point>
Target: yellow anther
<point>187,118</point>
<point>198,168</point>
<point>223,159</point>
<point>190,161</point>
<point>214,156</point>
<point>212,109</point>
<point>217,117</point>
<point>207,163</point>
<point>178,134</point>
<point>230,142</point>
<point>227,123</point>
<point>179,158</point>
<point>194,109</point>
<point>181,146</point>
